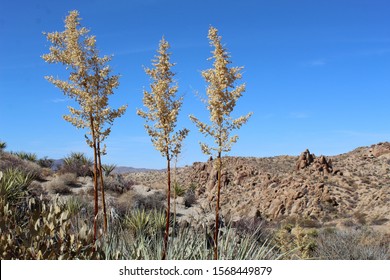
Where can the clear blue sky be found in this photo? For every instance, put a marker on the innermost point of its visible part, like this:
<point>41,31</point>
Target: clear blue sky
<point>317,73</point>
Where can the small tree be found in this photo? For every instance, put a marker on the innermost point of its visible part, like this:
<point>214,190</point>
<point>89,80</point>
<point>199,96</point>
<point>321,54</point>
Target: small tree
<point>162,110</point>
<point>222,95</point>
<point>89,84</point>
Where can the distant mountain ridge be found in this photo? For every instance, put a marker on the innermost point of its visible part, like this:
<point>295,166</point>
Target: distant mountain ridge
<point>119,169</point>
<point>125,169</point>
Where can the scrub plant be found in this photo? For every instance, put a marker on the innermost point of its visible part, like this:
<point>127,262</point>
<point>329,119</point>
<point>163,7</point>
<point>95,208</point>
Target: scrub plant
<point>108,169</point>
<point>13,185</point>
<point>223,94</point>
<point>162,110</point>
<point>89,84</point>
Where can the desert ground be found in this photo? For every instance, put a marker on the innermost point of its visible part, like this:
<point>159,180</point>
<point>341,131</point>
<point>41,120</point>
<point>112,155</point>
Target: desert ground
<point>302,206</point>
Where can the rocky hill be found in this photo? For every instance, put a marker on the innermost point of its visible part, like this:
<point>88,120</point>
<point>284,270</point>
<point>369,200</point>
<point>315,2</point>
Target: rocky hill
<point>349,188</point>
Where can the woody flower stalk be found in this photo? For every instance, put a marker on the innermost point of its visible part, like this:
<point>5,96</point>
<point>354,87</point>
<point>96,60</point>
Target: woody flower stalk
<point>222,93</point>
<point>89,84</point>
<point>162,109</point>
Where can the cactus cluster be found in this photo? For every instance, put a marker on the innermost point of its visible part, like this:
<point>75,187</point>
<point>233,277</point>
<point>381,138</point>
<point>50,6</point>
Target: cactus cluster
<point>36,229</point>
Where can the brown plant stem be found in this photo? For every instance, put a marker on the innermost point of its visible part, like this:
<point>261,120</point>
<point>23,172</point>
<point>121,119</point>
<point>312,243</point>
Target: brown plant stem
<point>217,208</point>
<point>95,180</point>
<point>166,235</point>
<point>102,187</point>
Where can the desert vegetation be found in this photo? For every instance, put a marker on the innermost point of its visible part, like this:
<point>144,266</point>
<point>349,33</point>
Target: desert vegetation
<point>222,95</point>
<point>162,111</point>
<point>40,220</point>
<point>89,84</point>
<point>285,207</point>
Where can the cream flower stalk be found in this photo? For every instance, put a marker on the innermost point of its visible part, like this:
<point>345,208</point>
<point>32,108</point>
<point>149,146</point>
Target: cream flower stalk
<point>162,109</point>
<point>89,84</point>
<point>222,93</point>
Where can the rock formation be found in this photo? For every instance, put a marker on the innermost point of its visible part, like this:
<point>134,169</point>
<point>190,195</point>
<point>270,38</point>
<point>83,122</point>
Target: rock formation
<point>315,164</point>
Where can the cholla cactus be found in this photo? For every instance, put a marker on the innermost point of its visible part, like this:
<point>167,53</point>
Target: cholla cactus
<point>222,96</point>
<point>89,84</point>
<point>163,109</point>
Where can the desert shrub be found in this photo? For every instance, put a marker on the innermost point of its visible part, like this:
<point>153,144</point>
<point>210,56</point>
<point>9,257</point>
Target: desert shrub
<point>305,222</point>
<point>61,189</point>
<point>26,156</point>
<point>295,242</point>
<point>256,227</point>
<point>352,244</point>
<point>117,183</point>
<point>360,217</point>
<point>36,189</point>
<point>124,203</point>
<point>11,161</point>
<point>78,164</point>
<point>149,202</point>
<point>189,198</point>
<point>45,162</point>
<point>62,184</point>
<point>69,179</point>
<point>130,200</point>
<point>45,172</point>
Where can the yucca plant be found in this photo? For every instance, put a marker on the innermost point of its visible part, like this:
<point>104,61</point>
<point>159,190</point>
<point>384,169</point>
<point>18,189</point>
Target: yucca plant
<point>13,185</point>
<point>108,169</point>
<point>77,158</point>
<point>138,221</point>
<point>90,84</point>
<point>3,145</point>
<point>189,244</point>
<point>77,163</point>
<point>223,94</point>
<point>161,116</point>
<point>178,190</point>
<point>73,205</point>
<point>27,156</point>
<point>158,221</point>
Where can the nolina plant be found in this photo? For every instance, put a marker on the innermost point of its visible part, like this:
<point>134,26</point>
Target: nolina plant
<point>222,95</point>
<point>89,84</point>
<point>162,110</point>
